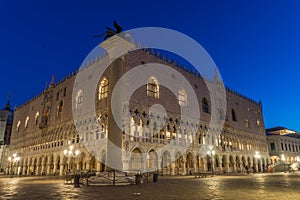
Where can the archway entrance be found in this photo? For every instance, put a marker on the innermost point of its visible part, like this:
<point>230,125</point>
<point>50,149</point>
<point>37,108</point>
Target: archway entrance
<point>178,163</point>
<point>136,160</point>
<point>152,160</point>
<point>190,163</point>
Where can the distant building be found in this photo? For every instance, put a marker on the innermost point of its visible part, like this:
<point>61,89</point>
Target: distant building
<point>6,122</point>
<point>44,128</point>
<point>283,144</point>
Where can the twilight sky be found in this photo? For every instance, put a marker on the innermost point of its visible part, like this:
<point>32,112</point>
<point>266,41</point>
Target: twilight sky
<point>255,44</point>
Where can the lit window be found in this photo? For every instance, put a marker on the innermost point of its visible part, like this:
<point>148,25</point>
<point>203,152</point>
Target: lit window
<point>233,114</point>
<point>18,125</point>
<point>272,145</point>
<point>152,88</point>
<point>247,123</point>
<point>103,89</point>
<point>26,122</point>
<point>36,118</point>
<point>79,98</point>
<point>205,107</point>
<point>182,98</point>
<point>258,122</point>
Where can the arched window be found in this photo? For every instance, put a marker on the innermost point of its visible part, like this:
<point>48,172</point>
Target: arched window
<point>247,123</point>
<point>103,89</point>
<point>205,107</point>
<point>79,98</point>
<point>152,88</point>
<point>18,125</point>
<point>258,123</point>
<point>233,115</point>
<point>26,122</point>
<point>182,98</point>
<point>36,118</point>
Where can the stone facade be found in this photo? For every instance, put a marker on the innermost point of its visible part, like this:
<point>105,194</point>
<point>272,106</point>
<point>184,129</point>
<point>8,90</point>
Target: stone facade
<point>283,142</point>
<point>44,127</point>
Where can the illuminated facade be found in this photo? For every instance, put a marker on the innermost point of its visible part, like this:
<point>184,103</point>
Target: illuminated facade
<point>44,128</point>
<point>283,142</point>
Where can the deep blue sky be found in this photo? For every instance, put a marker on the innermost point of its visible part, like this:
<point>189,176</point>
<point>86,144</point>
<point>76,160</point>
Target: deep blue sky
<point>255,44</point>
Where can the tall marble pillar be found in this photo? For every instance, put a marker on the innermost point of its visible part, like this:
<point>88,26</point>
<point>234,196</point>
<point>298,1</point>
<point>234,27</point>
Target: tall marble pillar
<point>115,46</point>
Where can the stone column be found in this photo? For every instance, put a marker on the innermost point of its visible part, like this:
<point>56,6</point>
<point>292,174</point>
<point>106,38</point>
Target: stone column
<point>43,167</point>
<point>78,165</point>
<point>28,169</point>
<point>116,47</point>
<point>204,164</point>
<point>227,164</point>
<point>37,170</point>
<point>234,166</point>
<point>159,160</point>
<point>61,169</point>
<point>98,166</point>
<point>184,166</point>
<point>195,171</point>
<point>144,162</point>
<point>173,168</point>
<point>220,164</point>
<point>87,165</point>
<point>48,169</point>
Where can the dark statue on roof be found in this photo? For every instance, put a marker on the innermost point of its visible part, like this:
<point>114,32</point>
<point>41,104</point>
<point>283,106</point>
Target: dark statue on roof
<point>110,32</point>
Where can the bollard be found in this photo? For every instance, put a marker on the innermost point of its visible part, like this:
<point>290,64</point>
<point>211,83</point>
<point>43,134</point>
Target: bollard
<point>138,179</point>
<point>155,177</point>
<point>76,180</point>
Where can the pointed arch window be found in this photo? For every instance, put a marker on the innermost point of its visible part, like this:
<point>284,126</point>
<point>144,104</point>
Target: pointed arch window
<point>36,118</point>
<point>247,123</point>
<point>103,89</point>
<point>205,106</point>
<point>152,88</point>
<point>26,122</point>
<point>182,98</point>
<point>18,125</point>
<point>258,123</point>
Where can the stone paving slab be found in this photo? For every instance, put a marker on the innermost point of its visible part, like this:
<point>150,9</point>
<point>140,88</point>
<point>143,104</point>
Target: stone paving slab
<point>253,186</point>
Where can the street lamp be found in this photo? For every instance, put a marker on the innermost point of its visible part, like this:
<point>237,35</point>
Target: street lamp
<point>12,160</point>
<point>71,153</point>
<point>283,159</point>
<point>257,156</point>
<point>211,153</point>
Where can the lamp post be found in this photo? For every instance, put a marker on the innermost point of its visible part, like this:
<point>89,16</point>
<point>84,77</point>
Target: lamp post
<point>12,160</point>
<point>257,156</point>
<point>211,153</point>
<point>283,159</point>
<point>71,152</point>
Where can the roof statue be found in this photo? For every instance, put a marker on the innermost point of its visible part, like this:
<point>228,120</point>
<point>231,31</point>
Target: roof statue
<point>110,32</point>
